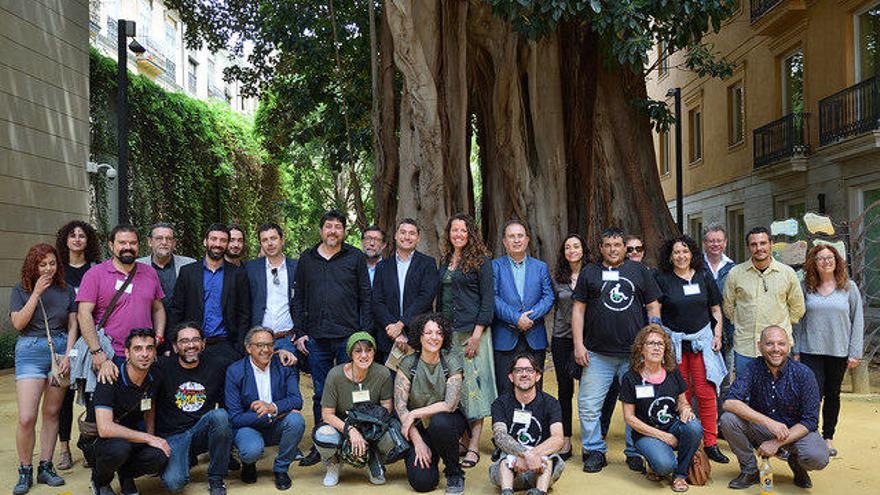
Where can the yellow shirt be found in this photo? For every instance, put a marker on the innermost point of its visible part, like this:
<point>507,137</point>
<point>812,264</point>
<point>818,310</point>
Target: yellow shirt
<point>754,301</point>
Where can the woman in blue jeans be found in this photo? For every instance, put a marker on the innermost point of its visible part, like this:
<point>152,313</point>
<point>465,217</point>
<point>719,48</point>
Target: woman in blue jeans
<point>665,429</point>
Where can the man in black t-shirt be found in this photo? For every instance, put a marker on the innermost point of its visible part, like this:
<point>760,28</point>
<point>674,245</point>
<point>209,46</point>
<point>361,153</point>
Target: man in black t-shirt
<point>610,302</point>
<point>527,428</point>
<point>125,416</point>
<point>188,389</point>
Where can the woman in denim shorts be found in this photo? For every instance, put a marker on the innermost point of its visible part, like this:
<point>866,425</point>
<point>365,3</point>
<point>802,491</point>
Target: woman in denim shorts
<point>42,281</point>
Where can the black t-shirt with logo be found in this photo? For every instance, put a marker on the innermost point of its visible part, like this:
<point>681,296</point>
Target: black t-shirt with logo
<point>659,408</point>
<point>615,303</point>
<point>531,429</point>
<point>126,399</point>
<point>685,306</point>
<point>184,395</point>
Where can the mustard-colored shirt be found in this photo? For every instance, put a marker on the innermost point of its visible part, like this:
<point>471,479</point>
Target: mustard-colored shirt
<point>754,301</point>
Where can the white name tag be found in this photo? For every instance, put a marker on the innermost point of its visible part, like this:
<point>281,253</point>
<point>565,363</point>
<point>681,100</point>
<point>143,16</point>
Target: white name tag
<point>610,275</point>
<point>644,391</point>
<point>358,396</point>
<point>146,404</point>
<point>691,289</point>
<point>127,289</point>
<point>521,417</point>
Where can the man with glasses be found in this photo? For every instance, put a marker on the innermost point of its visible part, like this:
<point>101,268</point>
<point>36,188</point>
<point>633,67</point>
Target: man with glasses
<point>162,258</point>
<point>188,390</point>
<point>527,428</point>
<point>759,293</point>
<point>271,279</point>
<point>719,265</point>
<point>373,241</point>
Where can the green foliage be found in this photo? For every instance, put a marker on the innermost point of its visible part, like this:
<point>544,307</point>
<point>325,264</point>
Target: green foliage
<point>7,349</point>
<point>185,155</point>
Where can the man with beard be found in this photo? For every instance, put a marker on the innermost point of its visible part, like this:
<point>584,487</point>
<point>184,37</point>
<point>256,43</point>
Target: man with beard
<point>162,258</point>
<point>237,249</point>
<point>373,241</point>
<point>214,294</point>
<point>527,428</point>
<point>773,405</point>
<point>759,293</point>
<point>188,389</point>
<point>271,282</point>
<point>332,301</point>
<point>138,305</point>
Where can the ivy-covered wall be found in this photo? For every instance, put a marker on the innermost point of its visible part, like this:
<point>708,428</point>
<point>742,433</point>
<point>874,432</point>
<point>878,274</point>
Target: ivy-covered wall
<point>191,163</point>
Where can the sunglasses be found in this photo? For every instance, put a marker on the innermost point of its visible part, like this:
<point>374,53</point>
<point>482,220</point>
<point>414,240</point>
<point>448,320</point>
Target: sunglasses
<point>635,249</point>
<point>275,279</point>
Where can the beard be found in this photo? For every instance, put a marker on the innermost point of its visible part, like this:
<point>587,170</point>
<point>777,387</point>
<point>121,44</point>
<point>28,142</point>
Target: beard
<point>126,257</point>
<point>234,256</point>
<point>215,254</point>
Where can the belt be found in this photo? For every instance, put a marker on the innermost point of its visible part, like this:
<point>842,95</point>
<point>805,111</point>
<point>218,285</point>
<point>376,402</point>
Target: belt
<point>286,333</point>
<point>216,340</point>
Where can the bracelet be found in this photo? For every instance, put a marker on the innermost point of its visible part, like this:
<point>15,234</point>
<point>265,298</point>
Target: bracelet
<point>96,351</point>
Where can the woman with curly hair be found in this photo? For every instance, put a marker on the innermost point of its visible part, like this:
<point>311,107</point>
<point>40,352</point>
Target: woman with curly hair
<point>41,303</point>
<point>78,250</point>
<point>829,339</point>
<point>656,407</point>
<point>427,390</point>
<point>466,297</point>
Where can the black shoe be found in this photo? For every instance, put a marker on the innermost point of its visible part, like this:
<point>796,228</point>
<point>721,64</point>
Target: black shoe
<point>216,487</point>
<point>25,480</point>
<point>282,481</point>
<point>312,458</point>
<point>715,454</point>
<point>127,486</point>
<point>234,465</point>
<point>566,455</point>
<point>801,478</point>
<point>636,463</point>
<point>46,474</point>
<point>744,480</point>
<point>248,473</point>
<point>594,461</point>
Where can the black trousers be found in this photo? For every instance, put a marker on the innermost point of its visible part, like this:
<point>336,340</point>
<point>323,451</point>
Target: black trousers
<point>65,417</point>
<point>130,460</point>
<point>223,352</point>
<point>503,360</point>
<point>562,349</point>
<point>829,371</point>
<point>442,436</point>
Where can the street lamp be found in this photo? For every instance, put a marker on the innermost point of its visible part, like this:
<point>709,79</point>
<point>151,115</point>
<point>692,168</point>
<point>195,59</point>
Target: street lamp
<point>679,184</point>
<point>125,29</point>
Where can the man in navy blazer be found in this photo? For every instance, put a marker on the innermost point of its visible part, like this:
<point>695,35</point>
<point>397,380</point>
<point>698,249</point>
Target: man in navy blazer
<point>272,283</point>
<point>264,404</point>
<point>523,296</point>
<point>404,287</point>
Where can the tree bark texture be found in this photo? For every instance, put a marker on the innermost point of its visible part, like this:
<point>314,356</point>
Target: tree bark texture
<point>561,146</point>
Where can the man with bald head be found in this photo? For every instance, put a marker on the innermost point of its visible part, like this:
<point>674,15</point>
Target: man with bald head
<point>773,405</point>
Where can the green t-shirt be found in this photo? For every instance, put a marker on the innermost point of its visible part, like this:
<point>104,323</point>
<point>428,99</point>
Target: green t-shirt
<point>339,390</point>
<point>429,385</point>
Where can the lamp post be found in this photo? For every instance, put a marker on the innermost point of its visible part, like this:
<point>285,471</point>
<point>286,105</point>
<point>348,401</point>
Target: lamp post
<point>125,29</point>
<point>679,184</point>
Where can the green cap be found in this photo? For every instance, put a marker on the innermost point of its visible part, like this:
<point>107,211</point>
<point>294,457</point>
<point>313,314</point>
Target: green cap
<point>357,337</point>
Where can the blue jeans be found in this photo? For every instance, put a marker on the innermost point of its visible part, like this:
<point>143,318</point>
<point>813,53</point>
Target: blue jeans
<point>324,354</point>
<point>595,382</point>
<point>662,458</point>
<point>741,362</point>
<point>33,361</point>
<point>285,433</point>
<point>211,434</point>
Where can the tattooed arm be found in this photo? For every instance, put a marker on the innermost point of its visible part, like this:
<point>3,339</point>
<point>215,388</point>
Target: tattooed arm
<point>505,442</point>
<point>401,395</point>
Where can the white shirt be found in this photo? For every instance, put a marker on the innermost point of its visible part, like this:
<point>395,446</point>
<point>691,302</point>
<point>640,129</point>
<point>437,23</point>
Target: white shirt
<point>402,269</point>
<point>277,315</point>
<point>264,381</point>
<point>721,264</point>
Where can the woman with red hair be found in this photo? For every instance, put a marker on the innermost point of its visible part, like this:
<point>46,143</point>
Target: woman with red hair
<point>41,303</point>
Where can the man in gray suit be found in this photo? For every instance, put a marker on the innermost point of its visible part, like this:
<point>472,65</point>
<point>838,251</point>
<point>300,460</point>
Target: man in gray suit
<point>163,260</point>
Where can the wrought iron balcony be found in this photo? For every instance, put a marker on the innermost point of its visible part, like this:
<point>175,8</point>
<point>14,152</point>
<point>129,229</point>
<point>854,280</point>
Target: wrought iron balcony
<point>849,112</point>
<point>760,7</point>
<point>787,137</point>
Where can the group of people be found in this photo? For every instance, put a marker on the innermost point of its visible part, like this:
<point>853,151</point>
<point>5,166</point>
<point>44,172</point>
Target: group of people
<point>176,357</point>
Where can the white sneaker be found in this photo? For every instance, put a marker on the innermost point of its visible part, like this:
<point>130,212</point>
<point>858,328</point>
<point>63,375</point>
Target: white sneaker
<point>331,478</point>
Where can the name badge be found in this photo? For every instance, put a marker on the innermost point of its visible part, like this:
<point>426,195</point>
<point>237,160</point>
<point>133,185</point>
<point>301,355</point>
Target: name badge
<point>127,289</point>
<point>691,289</point>
<point>358,396</point>
<point>644,391</point>
<point>610,275</point>
<point>521,417</point>
<point>146,404</point>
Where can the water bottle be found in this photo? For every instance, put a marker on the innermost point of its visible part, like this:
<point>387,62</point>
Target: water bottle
<point>766,476</point>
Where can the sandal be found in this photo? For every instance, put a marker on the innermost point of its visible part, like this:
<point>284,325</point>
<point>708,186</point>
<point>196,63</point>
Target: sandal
<point>467,463</point>
<point>679,485</point>
<point>65,461</point>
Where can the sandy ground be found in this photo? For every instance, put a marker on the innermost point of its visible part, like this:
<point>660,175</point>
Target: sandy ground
<point>854,471</point>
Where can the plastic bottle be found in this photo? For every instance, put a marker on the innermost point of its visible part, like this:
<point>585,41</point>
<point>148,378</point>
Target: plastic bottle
<point>766,477</point>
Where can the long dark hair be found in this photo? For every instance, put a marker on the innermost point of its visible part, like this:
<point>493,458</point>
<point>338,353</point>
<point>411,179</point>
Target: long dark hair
<point>93,250</point>
<point>563,274</point>
<point>664,264</point>
<point>473,253</point>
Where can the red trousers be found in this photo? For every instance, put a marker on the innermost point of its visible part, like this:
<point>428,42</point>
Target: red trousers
<point>694,372</point>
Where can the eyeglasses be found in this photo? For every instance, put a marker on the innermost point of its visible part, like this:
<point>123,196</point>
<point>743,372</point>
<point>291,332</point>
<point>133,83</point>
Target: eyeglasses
<point>524,371</point>
<point>824,259</point>
<point>635,249</point>
<point>655,343</point>
<point>262,345</point>
<point>275,279</point>
<point>194,340</point>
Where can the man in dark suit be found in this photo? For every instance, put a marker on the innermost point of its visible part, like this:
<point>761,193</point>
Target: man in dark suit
<point>404,287</point>
<point>271,280</point>
<point>523,295</point>
<point>215,294</point>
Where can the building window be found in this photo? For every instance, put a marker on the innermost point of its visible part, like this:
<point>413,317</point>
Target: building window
<point>792,71</point>
<point>736,226</point>
<point>171,36</point>
<point>871,257</point>
<point>192,68</point>
<point>211,70</point>
<point>663,56</point>
<point>664,152</point>
<point>867,34</point>
<point>735,114</point>
<point>695,226</point>
<point>695,134</point>
<point>145,18</point>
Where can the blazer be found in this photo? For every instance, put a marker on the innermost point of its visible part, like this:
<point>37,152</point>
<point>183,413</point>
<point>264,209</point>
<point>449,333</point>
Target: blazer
<point>188,303</point>
<point>256,275</point>
<point>537,296</point>
<point>419,289</point>
<point>241,391</point>
<point>179,262</point>
<point>472,297</point>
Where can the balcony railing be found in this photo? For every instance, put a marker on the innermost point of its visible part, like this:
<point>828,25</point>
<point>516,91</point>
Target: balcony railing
<point>783,138</point>
<point>852,111</point>
<point>761,7</point>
